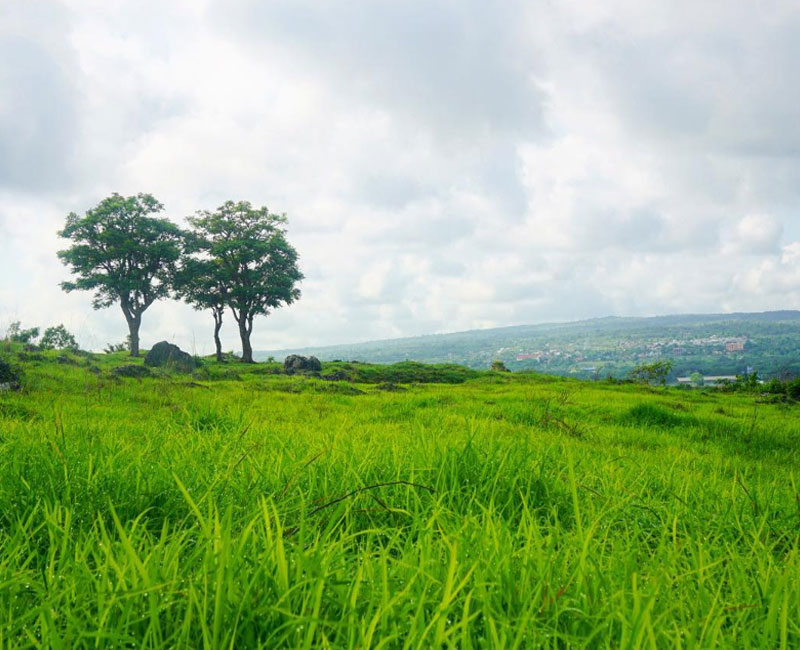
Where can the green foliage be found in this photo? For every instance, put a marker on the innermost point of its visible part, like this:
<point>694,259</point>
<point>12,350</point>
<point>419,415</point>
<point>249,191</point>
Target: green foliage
<point>651,373</point>
<point>271,513</point>
<point>123,255</point>
<point>499,366</point>
<point>249,263</point>
<point>201,283</point>
<point>18,335</point>
<point>112,348</point>
<point>58,338</point>
<point>405,372</point>
<point>747,381</point>
<point>9,376</point>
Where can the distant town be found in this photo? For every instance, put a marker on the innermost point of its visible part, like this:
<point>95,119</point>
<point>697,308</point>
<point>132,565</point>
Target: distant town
<point>713,345</point>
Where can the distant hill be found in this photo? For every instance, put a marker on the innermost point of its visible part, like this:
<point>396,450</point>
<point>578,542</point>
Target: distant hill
<point>766,342</point>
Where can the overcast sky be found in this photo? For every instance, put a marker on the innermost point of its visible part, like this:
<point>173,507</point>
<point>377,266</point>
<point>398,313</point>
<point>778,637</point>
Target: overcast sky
<point>444,165</point>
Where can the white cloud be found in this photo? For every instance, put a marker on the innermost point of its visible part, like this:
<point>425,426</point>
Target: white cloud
<point>443,165</point>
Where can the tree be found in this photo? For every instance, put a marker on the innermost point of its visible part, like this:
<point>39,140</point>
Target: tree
<point>123,255</point>
<point>17,334</point>
<point>697,379</point>
<point>252,259</point>
<point>656,372</point>
<point>58,338</point>
<point>200,283</point>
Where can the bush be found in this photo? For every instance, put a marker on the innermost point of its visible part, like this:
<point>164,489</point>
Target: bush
<point>58,338</point>
<point>651,373</point>
<point>9,377</point>
<point>793,389</point>
<point>405,372</point>
<point>17,334</point>
<point>111,348</point>
<point>775,387</point>
<point>131,370</point>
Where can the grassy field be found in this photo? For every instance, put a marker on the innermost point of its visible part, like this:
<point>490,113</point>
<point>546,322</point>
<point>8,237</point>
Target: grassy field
<point>242,509</point>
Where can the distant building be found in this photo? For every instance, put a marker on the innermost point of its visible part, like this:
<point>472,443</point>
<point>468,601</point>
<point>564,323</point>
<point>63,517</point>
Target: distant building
<point>529,355</point>
<point>736,345</point>
<point>711,380</point>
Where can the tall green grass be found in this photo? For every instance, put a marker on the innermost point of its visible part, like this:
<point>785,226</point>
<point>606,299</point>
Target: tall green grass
<point>507,511</point>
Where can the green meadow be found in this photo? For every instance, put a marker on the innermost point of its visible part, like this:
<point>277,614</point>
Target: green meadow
<point>444,508</point>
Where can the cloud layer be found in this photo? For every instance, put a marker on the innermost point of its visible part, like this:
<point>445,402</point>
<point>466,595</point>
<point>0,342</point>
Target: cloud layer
<point>444,165</point>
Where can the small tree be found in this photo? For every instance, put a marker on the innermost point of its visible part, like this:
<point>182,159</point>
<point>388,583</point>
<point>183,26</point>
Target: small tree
<point>58,338</point>
<point>200,283</point>
<point>18,335</point>
<point>123,255</point>
<point>648,373</point>
<point>252,259</point>
<point>697,379</point>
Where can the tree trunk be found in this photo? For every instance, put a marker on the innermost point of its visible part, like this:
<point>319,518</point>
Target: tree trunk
<point>245,328</point>
<point>217,328</point>
<point>134,321</point>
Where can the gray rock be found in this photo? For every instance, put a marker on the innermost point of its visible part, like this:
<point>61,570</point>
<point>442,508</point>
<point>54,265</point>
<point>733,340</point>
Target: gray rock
<point>164,354</point>
<point>295,363</point>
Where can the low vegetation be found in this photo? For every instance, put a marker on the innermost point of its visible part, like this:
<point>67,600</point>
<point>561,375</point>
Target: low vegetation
<point>404,506</point>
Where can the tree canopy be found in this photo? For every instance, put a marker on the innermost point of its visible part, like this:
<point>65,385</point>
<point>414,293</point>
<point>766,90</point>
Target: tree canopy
<point>251,258</point>
<point>201,283</point>
<point>123,255</point>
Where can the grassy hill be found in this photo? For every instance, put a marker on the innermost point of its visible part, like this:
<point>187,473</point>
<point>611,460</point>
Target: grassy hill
<point>602,346</point>
<point>408,507</point>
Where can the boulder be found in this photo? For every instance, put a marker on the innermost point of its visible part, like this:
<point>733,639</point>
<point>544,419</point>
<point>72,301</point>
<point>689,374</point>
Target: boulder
<point>295,363</point>
<point>164,354</point>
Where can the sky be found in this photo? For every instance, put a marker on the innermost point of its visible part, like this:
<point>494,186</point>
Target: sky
<point>444,165</point>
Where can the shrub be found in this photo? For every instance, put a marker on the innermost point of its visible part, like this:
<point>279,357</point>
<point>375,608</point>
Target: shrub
<point>17,334</point>
<point>131,371</point>
<point>58,338</point>
<point>775,387</point>
<point>111,348</point>
<point>499,366</point>
<point>648,373</point>
<point>9,377</point>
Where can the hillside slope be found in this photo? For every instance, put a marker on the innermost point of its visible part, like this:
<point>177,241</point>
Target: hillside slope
<point>720,344</point>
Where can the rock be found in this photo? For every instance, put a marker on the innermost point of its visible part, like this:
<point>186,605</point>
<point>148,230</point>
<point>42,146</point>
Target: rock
<point>295,363</point>
<point>164,354</point>
<point>131,371</point>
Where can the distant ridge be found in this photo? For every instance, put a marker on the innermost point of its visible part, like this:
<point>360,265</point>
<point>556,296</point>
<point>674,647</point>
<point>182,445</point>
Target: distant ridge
<point>732,343</point>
